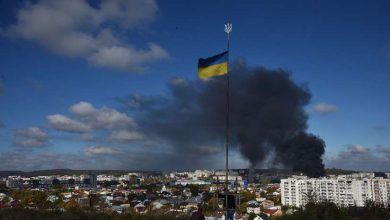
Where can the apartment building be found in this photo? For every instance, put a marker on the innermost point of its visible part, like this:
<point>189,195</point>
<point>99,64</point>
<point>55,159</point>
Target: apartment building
<point>341,190</point>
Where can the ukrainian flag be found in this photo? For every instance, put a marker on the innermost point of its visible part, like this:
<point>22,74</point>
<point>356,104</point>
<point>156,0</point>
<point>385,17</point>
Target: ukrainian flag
<point>213,66</point>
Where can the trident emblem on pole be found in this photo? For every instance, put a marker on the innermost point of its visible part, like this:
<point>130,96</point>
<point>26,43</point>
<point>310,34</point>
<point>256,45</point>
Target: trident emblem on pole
<point>228,28</point>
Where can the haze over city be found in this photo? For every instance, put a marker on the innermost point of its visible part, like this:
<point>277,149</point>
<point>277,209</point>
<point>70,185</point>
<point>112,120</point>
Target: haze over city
<point>114,84</point>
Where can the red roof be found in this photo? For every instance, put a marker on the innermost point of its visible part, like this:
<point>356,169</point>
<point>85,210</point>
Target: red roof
<point>4,205</point>
<point>270,211</point>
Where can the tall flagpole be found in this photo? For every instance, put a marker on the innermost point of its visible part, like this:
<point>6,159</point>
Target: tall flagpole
<point>228,29</point>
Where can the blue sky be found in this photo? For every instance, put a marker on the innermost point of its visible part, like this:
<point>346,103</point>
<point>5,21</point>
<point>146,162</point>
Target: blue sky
<point>87,54</point>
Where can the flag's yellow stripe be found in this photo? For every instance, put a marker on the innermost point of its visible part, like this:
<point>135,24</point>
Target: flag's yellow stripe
<point>213,70</point>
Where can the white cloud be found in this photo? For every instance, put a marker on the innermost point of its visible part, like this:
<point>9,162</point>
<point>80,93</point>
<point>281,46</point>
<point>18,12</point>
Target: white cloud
<point>63,123</point>
<point>179,82</point>
<point>129,13</point>
<point>111,118</point>
<point>142,102</point>
<point>82,108</point>
<point>359,157</point>
<point>30,143</point>
<point>31,137</point>
<point>87,118</point>
<point>32,132</point>
<point>325,108</point>
<point>98,159</point>
<point>94,151</point>
<point>12,161</point>
<point>384,151</point>
<point>104,117</point>
<point>127,58</point>
<point>124,136</point>
<point>77,29</point>
<point>357,149</point>
<point>135,101</point>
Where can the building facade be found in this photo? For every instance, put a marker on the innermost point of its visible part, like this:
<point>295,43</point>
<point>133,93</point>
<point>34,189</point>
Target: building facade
<point>341,190</point>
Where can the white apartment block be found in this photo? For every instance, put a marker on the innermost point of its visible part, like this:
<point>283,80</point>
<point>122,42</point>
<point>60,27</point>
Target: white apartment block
<point>232,176</point>
<point>14,182</point>
<point>102,178</point>
<point>197,174</point>
<point>341,190</point>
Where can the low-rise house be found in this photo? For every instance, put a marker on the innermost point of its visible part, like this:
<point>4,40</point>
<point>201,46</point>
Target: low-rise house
<point>119,209</point>
<point>258,218</point>
<point>66,196</point>
<point>253,207</point>
<point>109,199</point>
<point>4,205</point>
<point>191,205</point>
<point>84,202</point>
<point>52,198</point>
<point>272,212</point>
<point>119,200</point>
<point>260,199</point>
<point>157,205</point>
<point>2,196</point>
<point>267,204</point>
<point>140,208</point>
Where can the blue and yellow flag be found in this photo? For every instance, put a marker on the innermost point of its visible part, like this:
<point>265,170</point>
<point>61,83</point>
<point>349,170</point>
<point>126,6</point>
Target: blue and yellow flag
<point>213,66</point>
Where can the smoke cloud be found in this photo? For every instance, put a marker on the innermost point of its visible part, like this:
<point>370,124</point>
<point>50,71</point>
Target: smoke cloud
<point>267,118</point>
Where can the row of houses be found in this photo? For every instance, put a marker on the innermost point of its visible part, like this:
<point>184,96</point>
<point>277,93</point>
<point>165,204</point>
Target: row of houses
<point>48,181</point>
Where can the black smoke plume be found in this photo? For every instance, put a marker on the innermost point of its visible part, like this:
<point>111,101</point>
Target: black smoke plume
<point>267,116</point>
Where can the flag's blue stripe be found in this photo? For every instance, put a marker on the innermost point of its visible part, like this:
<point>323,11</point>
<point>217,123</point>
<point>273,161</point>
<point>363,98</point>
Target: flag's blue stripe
<point>217,59</point>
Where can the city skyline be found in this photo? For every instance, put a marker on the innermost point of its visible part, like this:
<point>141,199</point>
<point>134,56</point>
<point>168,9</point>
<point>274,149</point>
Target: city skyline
<point>72,74</point>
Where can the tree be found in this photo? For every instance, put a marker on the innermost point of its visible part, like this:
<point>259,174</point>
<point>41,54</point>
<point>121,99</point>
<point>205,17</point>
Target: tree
<point>270,190</point>
<point>71,204</point>
<point>207,196</point>
<point>56,182</point>
<point>94,199</point>
<point>6,199</point>
<point>71,182</point>
<point>247,196</point>
<point>40,199</point>
<point>194,189</point>
<point>211,205</point>
<point>252,216</point>
<point>243,207</point>
<point>311,196</point>
<point>28,197</point>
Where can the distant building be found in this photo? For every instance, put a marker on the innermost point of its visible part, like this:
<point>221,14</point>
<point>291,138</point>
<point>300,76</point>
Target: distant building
<point>84,202</point>
<point>253,207</point>
<point>267,204</point>
<point>93,178</point>
<point>14,182</point>
<point>342,190</point>
<point>272,212</point>
<point>90,180</point>
<point>232,176</point>
<point>102,178</point>
<point>140,208</point>
<point>200,174</point>
<point>362,175</point>
<point>192,182</point>
<point>196,175</point>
